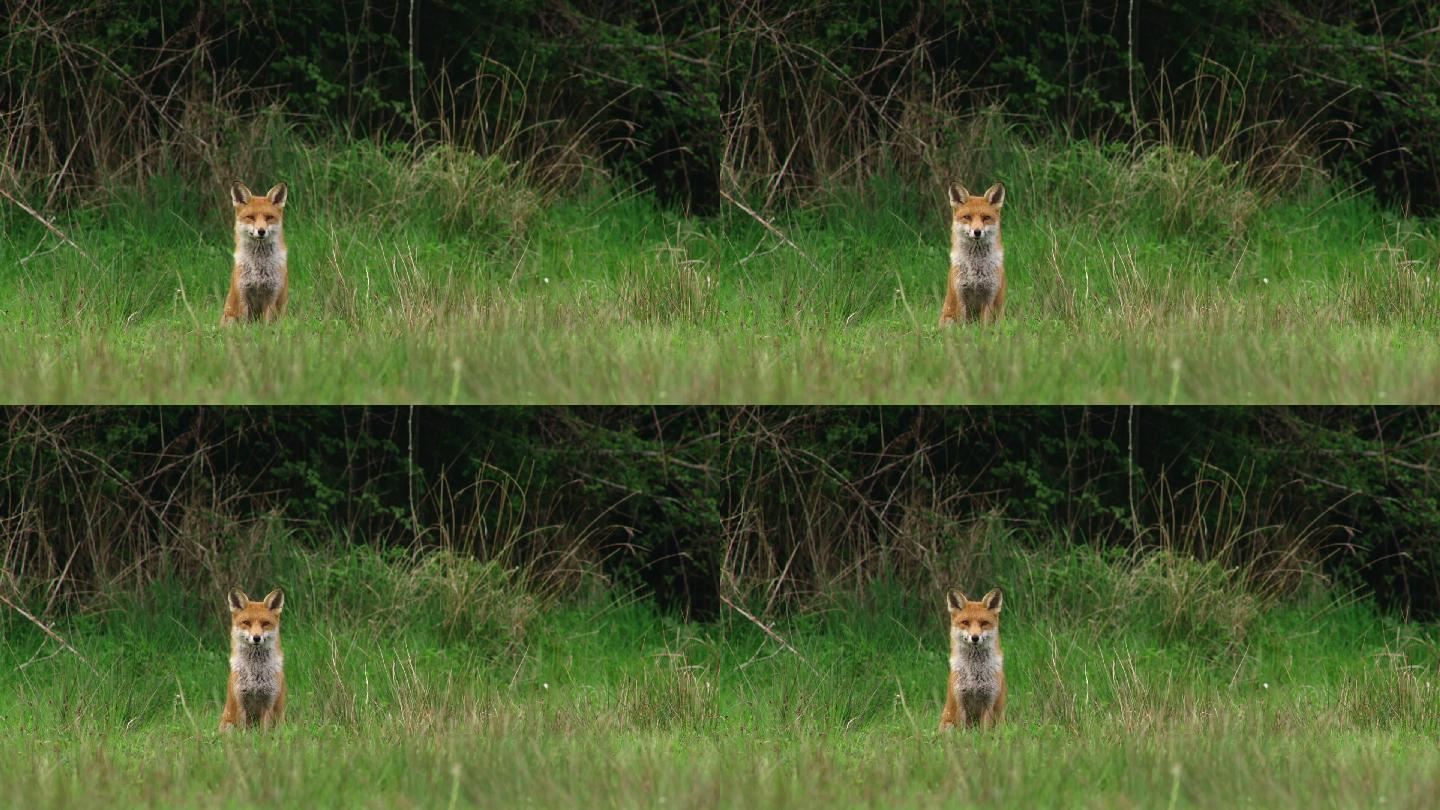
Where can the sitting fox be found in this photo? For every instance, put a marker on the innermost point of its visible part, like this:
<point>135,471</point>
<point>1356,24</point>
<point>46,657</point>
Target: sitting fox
<point>976,290</point>
<point>259,281</point>
<point>255,694</point>
<point>975,694</point>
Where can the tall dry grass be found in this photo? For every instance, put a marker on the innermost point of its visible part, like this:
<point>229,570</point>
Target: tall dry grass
<point>755,512</point>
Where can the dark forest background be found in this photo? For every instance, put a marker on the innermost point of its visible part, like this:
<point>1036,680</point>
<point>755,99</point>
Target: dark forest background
<point>698,99</point>
<point>691,506</point>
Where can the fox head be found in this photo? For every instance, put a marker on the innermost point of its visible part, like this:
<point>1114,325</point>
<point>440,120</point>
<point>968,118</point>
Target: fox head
<point>974,624</point>
<point>255,625</point>
<point>258,218</point>
<point>976,219</point>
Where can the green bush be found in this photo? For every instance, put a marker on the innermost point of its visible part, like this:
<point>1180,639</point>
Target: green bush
<point>697,99</point>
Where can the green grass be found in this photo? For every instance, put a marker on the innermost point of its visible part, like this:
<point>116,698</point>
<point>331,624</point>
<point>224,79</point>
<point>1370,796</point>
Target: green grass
<point>444,684</point>
<point>439,280</point>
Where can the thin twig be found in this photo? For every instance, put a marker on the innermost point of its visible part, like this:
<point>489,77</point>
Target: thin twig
<point>769,632</point>
<point>50,227</point>
<point>51,633</point>
<point>769,227</point>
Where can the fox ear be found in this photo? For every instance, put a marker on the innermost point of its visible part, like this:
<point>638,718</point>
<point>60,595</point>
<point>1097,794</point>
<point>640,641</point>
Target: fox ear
<point>996,195</point>
<point>956,600</point>
<point>278,194</point>
<point>238,600</point>
<point>275,600</point>
<point>993,599</point>
<point>240,193</point>
<point>958,194</point>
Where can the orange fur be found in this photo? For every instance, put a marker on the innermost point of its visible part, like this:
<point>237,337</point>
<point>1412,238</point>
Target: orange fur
<point>260,277</point>
<point>975,690</point>
<point>976,286</point>
<point>255,691</point>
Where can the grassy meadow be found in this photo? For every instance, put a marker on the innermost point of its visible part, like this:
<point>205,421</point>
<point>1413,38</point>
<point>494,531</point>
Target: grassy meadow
<point>435,275</point>
<point>440,681</point>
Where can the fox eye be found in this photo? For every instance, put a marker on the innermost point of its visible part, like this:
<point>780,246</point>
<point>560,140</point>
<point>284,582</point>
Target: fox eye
<point>249,219</point>
<point>987,218</point>
<point>264,625</point>
<point>984,625</point>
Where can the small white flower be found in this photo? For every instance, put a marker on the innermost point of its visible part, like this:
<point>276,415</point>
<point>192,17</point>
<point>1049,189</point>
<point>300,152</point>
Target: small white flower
<point>1266,685</point>
<point>1265,280</point>
<point>546,280</point>
<point>545,685</point>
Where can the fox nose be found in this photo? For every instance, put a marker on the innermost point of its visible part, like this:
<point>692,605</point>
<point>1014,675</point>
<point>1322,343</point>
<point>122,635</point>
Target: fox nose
<point>260,232</point>
<point>976,233</point>
<point>255,639</point>
<point>974,639</point>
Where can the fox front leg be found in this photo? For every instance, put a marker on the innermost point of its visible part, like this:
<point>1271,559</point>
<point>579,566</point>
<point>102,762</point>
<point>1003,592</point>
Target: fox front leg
<point>952,309</point>
<point>230,719</point>
<point>235,309</point>
<point>952,706</point>
<point>954,716</point>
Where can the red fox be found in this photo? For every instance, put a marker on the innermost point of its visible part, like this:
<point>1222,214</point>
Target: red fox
<point>977,261</point>
<point>975,694</point>
<point>256,690</point>
<point>259,282</point>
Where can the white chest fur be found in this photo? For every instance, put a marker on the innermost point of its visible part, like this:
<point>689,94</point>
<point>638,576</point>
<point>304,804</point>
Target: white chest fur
<point>977,265</point>
<point>260,266</point>
<point>257,677</point>
<point>976,676</point>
